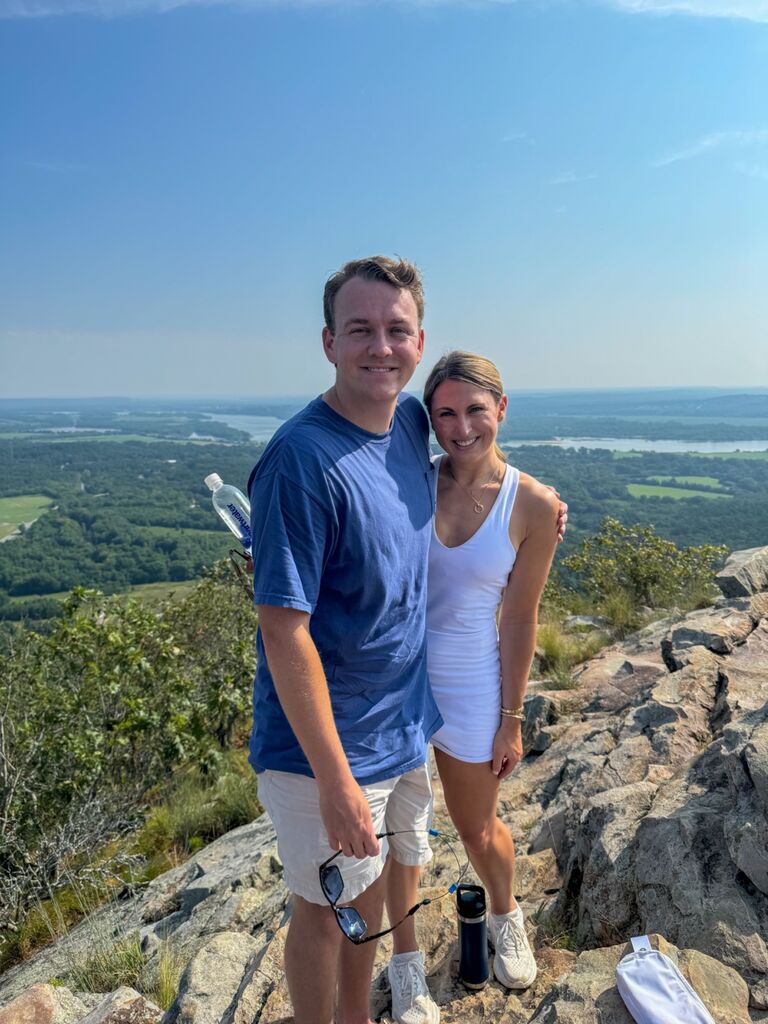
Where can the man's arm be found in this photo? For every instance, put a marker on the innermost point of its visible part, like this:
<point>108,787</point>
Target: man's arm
<point>302,689</point>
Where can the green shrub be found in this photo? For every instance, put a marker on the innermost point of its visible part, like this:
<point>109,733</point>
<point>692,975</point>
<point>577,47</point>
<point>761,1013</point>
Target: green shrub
<point>111,701</point>
<point>201,808</point>
<point>559,651</point>
<point>651,571</point>
<point>620,609</point>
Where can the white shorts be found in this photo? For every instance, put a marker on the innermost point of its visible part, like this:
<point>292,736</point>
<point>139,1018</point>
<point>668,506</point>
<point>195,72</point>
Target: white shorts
<point>293,805</point>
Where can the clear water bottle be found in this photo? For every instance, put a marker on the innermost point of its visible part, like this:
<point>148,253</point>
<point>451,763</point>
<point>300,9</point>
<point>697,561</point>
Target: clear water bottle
<point>233,507</point>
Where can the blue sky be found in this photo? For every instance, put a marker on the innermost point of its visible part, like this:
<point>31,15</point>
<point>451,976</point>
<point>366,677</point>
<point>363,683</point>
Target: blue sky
<point>584,185</point>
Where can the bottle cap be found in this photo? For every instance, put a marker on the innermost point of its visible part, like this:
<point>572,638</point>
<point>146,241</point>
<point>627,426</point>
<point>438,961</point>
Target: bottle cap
<point>213,480</point>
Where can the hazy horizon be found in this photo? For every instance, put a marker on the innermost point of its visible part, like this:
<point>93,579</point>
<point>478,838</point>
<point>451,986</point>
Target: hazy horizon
<point>713,390</point>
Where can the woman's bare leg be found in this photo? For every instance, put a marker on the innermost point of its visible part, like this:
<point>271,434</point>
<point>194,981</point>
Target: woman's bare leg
<point>471,792</point>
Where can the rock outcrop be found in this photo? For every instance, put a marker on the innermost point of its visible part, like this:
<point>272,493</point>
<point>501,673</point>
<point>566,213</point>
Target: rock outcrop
<point>641,806</point>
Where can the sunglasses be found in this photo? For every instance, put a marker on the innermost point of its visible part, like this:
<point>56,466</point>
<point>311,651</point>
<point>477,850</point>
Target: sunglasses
<point>348,919</point>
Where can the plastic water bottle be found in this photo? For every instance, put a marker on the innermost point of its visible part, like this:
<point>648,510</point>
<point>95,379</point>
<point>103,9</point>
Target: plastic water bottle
<point>233,507</point>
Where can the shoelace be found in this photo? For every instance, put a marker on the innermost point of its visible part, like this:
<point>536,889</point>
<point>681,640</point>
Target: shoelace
<point>510,929</point>
<point>411,979</point>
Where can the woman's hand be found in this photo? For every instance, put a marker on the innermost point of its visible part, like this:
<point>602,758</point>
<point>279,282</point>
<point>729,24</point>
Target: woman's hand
<point>507,747</point>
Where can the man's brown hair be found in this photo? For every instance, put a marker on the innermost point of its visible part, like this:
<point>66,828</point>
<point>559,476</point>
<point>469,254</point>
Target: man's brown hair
<point>399,273</point>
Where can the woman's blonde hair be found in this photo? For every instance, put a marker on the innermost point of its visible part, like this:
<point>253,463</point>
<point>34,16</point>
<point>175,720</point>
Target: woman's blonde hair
<point>472,369</point>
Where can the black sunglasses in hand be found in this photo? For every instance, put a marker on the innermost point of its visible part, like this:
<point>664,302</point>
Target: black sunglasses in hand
<point>348,919</point>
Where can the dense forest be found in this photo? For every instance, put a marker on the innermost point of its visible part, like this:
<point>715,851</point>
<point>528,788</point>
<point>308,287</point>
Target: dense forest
<point>121,514</point>
<point>131,512</point>
<point>595,482</point>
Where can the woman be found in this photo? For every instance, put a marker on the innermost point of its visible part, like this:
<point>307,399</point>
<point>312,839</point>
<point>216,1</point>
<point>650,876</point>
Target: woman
<point>492,545</point>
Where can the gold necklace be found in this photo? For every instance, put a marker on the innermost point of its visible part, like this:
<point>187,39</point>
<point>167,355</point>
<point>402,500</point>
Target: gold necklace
<point>477,506</point>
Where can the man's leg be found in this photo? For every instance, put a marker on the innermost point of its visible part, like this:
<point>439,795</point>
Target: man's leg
<point>409,808</point>
<point>356,962</point>
<point>402,882</point>
<point>312,961</point>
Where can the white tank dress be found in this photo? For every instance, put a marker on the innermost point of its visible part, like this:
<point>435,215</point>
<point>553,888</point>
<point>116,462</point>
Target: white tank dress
<point>465,587</point>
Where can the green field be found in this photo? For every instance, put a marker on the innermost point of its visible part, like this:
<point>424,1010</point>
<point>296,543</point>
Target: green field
<point>693,481</point>
<point>150,592</point>
<point>23,508</point>
<point>155,592</point>
<point>730,455</point>
<point>701,455</point>
<point>679,493</point>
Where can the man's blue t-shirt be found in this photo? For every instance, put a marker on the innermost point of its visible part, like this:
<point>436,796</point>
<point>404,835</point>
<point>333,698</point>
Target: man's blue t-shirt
<point>341,521</point>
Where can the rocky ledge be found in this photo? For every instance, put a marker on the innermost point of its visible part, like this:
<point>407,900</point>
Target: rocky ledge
<point>641,807</point>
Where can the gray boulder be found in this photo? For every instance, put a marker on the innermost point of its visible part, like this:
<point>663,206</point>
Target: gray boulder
<point>124,1006</point>
<point>212,984</point>
<point>540,712</point>
<point>43,1004</point>
<point>745,573</point>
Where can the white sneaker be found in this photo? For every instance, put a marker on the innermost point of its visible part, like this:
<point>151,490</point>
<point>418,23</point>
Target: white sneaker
<point>411,1001</point>
<point>513,963</point>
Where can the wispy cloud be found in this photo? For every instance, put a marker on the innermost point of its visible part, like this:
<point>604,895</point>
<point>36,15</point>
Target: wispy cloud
<point>570,178</point>
<point>753,170</point>
<point>713,141</point>
<point>750,10</point>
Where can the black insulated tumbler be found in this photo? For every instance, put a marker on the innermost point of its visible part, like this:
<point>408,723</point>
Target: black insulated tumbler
<point>470,907</point>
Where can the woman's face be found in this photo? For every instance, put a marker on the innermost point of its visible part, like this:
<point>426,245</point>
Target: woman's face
<point>465,419</point>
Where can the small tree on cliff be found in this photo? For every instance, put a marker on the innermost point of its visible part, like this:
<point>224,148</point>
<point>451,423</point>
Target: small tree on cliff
<point>633,565</point>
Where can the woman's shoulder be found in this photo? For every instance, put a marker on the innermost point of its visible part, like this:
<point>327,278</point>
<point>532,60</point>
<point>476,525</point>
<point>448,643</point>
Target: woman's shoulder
<point>535,497</point>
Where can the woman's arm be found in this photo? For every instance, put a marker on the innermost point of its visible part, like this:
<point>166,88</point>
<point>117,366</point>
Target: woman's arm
<point>535,520</point>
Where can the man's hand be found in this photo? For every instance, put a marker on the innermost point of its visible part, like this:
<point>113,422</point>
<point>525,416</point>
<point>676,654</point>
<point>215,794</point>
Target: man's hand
<point>347,819</point>
<point>562,515</point>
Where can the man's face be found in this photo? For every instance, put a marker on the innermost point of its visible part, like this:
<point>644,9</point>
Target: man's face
<point>377,342</point>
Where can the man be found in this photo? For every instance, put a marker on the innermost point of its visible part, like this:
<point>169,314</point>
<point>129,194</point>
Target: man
<point>342,509</point>
<point>342,502</point>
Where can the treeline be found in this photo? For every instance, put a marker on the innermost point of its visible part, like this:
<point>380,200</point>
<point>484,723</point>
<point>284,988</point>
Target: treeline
<point>521,427</point>
<point>594,483</point>
<point>132,513</point>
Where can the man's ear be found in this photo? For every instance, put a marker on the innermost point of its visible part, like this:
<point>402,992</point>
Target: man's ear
<point>421,343</point>
<point>328,346</point>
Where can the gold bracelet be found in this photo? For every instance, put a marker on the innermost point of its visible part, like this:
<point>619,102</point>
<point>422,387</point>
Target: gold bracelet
<point>518,712</point>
